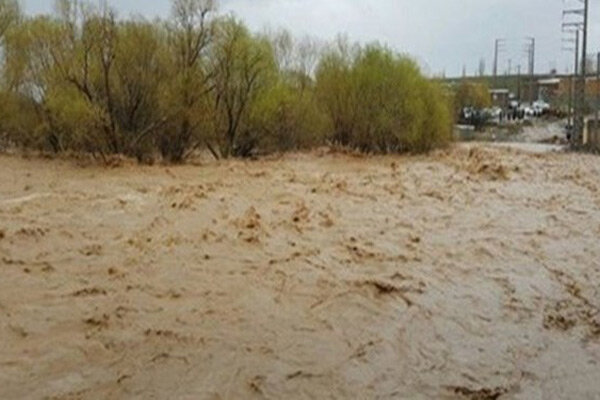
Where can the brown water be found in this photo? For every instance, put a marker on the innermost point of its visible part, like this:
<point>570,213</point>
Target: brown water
<point>469,274</point>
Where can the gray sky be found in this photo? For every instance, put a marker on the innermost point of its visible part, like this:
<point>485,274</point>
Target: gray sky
<point>441,34</point>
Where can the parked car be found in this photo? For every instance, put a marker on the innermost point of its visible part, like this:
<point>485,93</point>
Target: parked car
<point>526,111</point>
<point>540,108</point>
<point>494,115</point>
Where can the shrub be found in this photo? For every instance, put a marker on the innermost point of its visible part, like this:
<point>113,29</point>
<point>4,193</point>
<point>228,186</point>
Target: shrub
<point>19,121</point>
<point>380,102</point>
<point>286,118</point>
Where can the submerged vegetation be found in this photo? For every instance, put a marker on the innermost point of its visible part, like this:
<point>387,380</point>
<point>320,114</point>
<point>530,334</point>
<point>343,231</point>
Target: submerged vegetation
<point>84,80</point>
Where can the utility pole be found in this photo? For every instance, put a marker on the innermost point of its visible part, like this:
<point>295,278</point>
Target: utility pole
<point>497,48</point>
<point>571,113</point>
<point>531,58</point>
<point>519,84</point>
<point>580,86</point>
<point>597,93</point>
<point>583,77</point>
<point>482,67</point>
<point>572,78</point>
<point>574,84</point>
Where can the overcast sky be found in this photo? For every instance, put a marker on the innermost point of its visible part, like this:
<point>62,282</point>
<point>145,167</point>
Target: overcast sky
<point>443,35</point>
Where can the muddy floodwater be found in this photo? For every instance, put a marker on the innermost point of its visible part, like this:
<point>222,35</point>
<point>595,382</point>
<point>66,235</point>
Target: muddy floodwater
<point>470,273</point>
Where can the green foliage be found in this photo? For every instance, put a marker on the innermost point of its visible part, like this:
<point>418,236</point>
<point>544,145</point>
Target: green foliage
<point>380,102</point>
<point>84,80</point>
<point>286,115</point>
<point>244,66</point>
<point>19,121</point>
<point>186,106</point>
<point>471,94</point>
<point>285,118</point>
<point>140,79</point>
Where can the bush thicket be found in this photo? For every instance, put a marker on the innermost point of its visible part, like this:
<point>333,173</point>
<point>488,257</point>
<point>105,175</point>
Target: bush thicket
<point>82,79</point>
<point>379,101</point>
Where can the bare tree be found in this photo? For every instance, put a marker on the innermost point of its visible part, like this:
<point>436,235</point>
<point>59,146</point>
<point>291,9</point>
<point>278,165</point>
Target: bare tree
<point>296,58</point>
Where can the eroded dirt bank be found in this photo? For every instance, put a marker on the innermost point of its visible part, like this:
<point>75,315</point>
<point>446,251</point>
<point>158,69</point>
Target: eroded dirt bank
<point>468,274</point>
